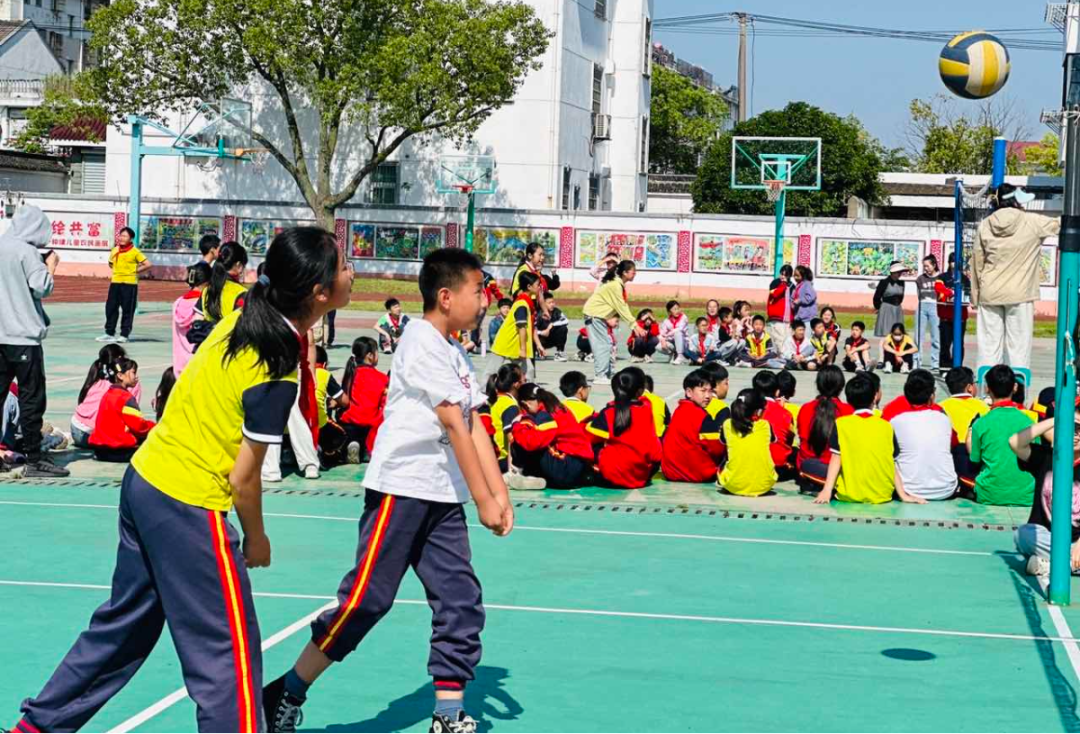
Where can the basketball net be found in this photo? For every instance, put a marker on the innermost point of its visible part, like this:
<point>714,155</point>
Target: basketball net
<point>773,190</point>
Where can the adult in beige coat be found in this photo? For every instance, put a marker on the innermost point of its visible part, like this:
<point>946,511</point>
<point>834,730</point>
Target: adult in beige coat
<point>1005,277</point>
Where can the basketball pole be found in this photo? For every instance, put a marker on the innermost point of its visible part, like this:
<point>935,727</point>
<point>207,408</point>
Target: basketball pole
<point>958,277</point>
<point>778,255</point>
<point>469,220</point>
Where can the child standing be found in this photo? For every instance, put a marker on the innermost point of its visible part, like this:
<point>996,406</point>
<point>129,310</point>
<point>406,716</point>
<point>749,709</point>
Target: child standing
<point>692,448</point>
<point>120,428</point>
<point>575,388</point>
<point>643,345</point>
<point>556,445</point>
<point>898,350</point>
<point>963,408</point>
<point>673,333</point>
<point>516,342</point>
<point>857,350</point>
<point>365,388</point>
<point>391,326</point>
<point>778,306</point>
<point>1001,481</point>
<point>746,436</point>
<point>185,313</point>
<point>432,455</point>
<point>95,386</point>
<point>630,450</point>
<point>127,263</point>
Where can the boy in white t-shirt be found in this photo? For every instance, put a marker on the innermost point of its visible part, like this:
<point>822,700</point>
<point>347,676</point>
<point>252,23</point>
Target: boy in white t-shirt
<point>431,455</point>
<point>926,439</point>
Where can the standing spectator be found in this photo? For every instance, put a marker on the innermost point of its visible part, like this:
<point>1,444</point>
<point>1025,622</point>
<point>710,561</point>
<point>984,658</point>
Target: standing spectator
<point>889,299</point>
<point>127,263</point>
<point>778,306</point>
<point>1005,277</point>
<point>552,328</point>
<point>944,288</point>
<point>803,295</point>
<point>604,264</point>
<point>606,302</point>
<point>26,277</point>
<point>643,347</point>
<point>927,316</point>
<point>532,261</point>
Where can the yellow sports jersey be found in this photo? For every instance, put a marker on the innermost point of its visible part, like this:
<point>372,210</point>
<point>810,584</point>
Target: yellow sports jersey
<point>714,407</point>
<point>758,348</point>
<point>231,292</point>
<point>215,404</point>
<point>749,470</point>
<point>507,343</point>
<point>125,265</point>
<point>867,447</point>
<point>962,411</point>
<point>504,414</point>
<point>582,411</point>
<point>325,387</point>
<point>661,414</point>
<point>794,409</point>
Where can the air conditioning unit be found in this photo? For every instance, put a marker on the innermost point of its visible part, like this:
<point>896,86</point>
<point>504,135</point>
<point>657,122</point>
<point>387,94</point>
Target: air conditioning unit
<point>601,127</point>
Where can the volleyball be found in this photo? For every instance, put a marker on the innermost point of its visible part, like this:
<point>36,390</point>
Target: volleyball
<point>974,65</point>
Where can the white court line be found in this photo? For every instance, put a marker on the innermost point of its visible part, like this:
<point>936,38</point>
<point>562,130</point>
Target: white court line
<point>1062,627</point>
<point>1064,638</point>
<point>181,693</point>
<point>616,533</point>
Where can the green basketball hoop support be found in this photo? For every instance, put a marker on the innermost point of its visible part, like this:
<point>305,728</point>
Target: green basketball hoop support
<point>778,255</point>
<point>469,175</point>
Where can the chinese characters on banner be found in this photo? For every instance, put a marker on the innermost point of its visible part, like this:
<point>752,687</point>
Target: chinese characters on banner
<point>73,229</point>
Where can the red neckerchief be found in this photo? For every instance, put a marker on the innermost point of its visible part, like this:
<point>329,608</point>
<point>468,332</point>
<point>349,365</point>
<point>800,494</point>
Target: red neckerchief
<point>309,404</point>
<point>394,320</point>
<point>674,322</point>
<point>624,292</point>
<point>795,294</point>
<point>125,248</point>
<point>1006,404</point>
<point>701,343</point>
<point>857,342</point>
<point>192,294</point>
<point>527,299</point>
<point>757,342</point>
<point>798,344</point>
<point>713,321</point>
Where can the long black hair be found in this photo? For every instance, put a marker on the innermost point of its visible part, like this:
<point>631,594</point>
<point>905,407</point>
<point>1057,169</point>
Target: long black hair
<point>164,390</point>
<point>532,391</point>
<point>229,255</point>
<point>525,280</point>
<point>746,406</point>
<point>830,383</point>
<point>99,367</point>
<point>118,366</point>
<point>530,250</point>
<point>298,259</point>
<point>618,271</point>
<point>504,381</point>
<point>628,386</point>
<point>362,346</point>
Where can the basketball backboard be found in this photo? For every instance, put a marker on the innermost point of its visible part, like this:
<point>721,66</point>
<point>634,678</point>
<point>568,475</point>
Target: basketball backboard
<point>755,161</point>
<point>476,171</point>
<point>223,127</point>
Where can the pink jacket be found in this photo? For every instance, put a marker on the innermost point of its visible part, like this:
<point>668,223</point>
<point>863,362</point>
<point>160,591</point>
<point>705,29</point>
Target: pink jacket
<point>86,412</point>
<point>184,315</point>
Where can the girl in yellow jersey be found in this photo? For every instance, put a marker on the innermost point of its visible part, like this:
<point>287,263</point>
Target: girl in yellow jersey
<point>749,470</point>
<point>225,294</point>
<point>180,560</point>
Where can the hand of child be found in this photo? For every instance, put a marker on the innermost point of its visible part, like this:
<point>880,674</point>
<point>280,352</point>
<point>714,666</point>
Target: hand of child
<point>507,520</point>
<point>823,497</point>
<point>256,551</point>
<point>913,499</point>
<point>492,516</point>
<point>1075,557</point>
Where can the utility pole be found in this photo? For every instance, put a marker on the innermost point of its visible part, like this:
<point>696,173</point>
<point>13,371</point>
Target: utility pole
<point>743,22</point>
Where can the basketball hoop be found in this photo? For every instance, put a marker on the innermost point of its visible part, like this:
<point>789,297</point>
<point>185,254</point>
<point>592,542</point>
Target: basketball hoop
<point>465,189</point>
<point>773,189</point>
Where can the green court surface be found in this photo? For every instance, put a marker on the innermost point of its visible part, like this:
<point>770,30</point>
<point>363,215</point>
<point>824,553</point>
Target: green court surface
<point>673,608</point>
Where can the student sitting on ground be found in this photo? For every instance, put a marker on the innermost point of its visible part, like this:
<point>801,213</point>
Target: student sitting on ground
<point>364,388</point>
<point>661,413</point>
<point>575,387</point>
<point>1020,398</point>
<point>329,397</point>
<point>815,425</point>
<point>781,423</point>
<point>926,439</point>
<point>832,329</point>
<point>758,350</point>
<point>748,468</point>
<point>120,428</point>
<point>863,467</point>
<point>673,333</point>
<point>857,350</point>
<point>798,353</point>
<point>643,347</point>
<point>1044,403</point>
<point>503,411</point>
<point>898,350</point>
<point>552,327</point>
<point>1000,481</point>
<point>963,407</point>
<point>717,408</point>
<point>692,448</point>
<point>703,346</point>
<point>629,448</point>
<point>788,385</point>
<point>549,442</point>
<point>497,321</point>
<point>823,344</point>
<point>1033,538</point>
<point>95,386</point>
<point>390,326</point>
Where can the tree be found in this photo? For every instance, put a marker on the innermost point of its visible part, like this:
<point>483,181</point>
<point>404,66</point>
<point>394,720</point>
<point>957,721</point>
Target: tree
<point>363,76</point>
<point>946,135</point>
<point>61,106</point>
<point>684,119</point>
<point>1044,158</point>
<point>850,165</point>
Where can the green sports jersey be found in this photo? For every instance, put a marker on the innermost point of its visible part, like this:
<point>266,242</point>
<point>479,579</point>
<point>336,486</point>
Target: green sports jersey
<point>1001,481</point>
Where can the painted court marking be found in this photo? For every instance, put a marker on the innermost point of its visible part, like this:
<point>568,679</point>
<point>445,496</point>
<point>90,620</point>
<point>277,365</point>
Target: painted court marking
<point>1062,627</point>
<point>585,531</point>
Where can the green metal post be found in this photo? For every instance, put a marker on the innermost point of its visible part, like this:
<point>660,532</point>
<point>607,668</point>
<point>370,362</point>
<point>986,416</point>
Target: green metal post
<point>1065,372</point>
<point>778,258</point>
<point>135,194</point>
<point>469,222</point>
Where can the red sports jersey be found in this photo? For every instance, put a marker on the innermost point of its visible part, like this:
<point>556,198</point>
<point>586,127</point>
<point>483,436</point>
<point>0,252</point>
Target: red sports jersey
<point>692,448</point>
<point>120,424</point>
<point>367,397</point>
<point>901,405</point>
<point>806,422</point>
<point>628,459</point>
<point>783,427</point>
<point>560,434</point>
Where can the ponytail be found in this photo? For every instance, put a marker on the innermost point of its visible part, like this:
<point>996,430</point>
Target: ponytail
<point>99,368</point>
<point>230,254</point>
<point>746,406</point>
<point>530,250</point>
<point>164,390</point>
<point>118,366</point>
<point>532,391</point>
<point>619,270</point>
<point>628,386</point>
<point>525,280</point>
<point>505,379</point>
<point>298,260</point>
<point>830,383</point>
<point>362,346</point>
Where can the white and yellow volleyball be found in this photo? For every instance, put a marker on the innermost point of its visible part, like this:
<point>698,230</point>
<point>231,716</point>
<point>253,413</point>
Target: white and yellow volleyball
<point>974,65</point>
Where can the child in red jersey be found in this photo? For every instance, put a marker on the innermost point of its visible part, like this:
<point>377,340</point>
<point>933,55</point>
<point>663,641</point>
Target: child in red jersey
<point>549,441</point>
<point>365,398</point>
<point>120,428</point>
<point>692,448</point>
<point>779,418</point>
<point>630,449</point>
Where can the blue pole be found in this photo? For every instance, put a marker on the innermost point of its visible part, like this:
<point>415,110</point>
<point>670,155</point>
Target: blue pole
<point>958,277</point>
<point>997,176</point>
<point>135,194</point>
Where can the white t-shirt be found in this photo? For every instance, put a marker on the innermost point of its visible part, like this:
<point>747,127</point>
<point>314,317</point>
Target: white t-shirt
<point>412,455</point>
<point>925,460</point>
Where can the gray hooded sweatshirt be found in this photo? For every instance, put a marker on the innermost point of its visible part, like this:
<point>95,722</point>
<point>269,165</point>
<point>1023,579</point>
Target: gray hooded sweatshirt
<point>24,279</point>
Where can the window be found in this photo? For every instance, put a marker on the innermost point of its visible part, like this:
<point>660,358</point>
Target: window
<point>600,9</point>
<point>56,43</point>
<point>644,168</point>
<point>597,89</point>
<point>566,187</point>
<point>647,68</point>
<point>594,192</point>
<point>384,184</point>
<point>577,197</point>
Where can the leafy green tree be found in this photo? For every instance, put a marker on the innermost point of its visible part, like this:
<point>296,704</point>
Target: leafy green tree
<point>1044,158</point>
<point>367,76</point>
<point>851,163</point>
<point>62,106</point>
<point>684,119</point>
<point>946,136</point>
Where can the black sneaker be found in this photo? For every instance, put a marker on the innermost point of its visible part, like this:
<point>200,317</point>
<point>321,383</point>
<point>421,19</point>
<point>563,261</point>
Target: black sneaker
<point>282,709</point>
<point>464,723</point>
<point>44,469</point>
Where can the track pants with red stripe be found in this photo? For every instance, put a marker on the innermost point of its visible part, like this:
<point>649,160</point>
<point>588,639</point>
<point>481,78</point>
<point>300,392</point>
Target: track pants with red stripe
<point>176,563</point>
<point>397,533</point>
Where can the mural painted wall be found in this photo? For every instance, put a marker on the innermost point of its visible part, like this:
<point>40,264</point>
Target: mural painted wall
<point>170,233</point>
<point>257,234</point>
<point>865,258</point>
<point>725,253</point>
<point>648,250</point>
<point>393,241</point>
<point>507,246</point>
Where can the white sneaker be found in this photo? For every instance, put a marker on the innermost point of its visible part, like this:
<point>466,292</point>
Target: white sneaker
<point>636,360</point>
<point>678,360</point>
<point>860,368</point>
<point>107,338</point>
<point>271,478</point>
<point>311,472</point>
<point>1038,566</point>
<point>560,357</point>
<point>588,358</point>
<point>121,340</point>
<point>353,452</point>
<point>888,368</point>
<point>601,381</point>
<point>521,482</point>
<point>905,369</point>
<point>648,359</point>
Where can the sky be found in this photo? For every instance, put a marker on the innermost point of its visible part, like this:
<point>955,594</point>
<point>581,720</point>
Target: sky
<point>873,78</point>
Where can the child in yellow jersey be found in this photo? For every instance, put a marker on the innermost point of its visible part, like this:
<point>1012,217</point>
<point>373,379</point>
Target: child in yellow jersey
<point>718,375</point>
<point>963,407</point>
<point>575,388</point>
<point>661,413</point>
<point>749,470</point>
<point>127,263</point>
<point>225,294</point>
<point>870,474</point>
<point>504,412</point>
<point>333,440</point>
<point>180,560</point>
<point>517,342</point>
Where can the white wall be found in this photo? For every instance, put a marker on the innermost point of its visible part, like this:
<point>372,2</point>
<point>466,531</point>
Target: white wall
<point>25,56</point>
